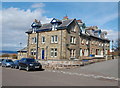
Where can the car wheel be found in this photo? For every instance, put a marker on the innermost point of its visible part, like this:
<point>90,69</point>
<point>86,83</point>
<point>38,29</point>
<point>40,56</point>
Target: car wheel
<point>11,66</point>
<point>27,68</point>
<point>19,67</point>
<point>15,67</point>
<point>5,65</point>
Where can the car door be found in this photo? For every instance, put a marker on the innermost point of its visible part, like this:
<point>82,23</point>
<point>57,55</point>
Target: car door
<point>4,61</point>
<point>24,63</point>
<point>21,62</point>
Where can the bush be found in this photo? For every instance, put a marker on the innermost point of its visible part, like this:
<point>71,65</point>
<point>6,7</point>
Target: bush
<point>5,55</point>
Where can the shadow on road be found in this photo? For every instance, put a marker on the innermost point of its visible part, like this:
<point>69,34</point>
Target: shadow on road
<point>36,70</point>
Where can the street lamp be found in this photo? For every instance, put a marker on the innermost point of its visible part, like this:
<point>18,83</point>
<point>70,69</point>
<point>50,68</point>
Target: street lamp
<point>112,50</point>
<point>46,51</point>
<point>20,47</point>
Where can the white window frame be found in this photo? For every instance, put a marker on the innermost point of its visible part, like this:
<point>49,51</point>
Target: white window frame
<point>106,51</point>
<point>54,26</point>
<point>99,44</point>
<point>34,40</point>
<point>53,50</point>
<point>53,39</point>
<point>87,42</point>
<point>81,52</point>
<point>72,53</point>
<point>33,51</point>
<point>102,44</point>
<point>72,40</point>
<point>82,41</point>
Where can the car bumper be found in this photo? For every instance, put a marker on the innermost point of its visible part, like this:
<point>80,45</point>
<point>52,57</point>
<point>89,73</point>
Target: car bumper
<point>35,67</point>
<point>8,65</point>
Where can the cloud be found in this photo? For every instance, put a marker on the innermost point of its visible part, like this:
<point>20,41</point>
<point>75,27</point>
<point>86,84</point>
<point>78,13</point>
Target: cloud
<point>111,34</point>
<point>38,5</point>
<point>15,22</point>
<point>106,19</point>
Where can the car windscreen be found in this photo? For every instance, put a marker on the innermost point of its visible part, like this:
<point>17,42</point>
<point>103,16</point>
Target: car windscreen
<point>9,61</point>
<point>16,61</point>
<point>30,60</point>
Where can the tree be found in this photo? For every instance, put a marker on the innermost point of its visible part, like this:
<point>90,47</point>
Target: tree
<point>14,56</point>
<point>116,46</point>
<point>5,55</point>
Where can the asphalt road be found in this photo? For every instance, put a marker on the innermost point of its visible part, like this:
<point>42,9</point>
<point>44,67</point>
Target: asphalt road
<point>80,76</point>
<point>106,68</point>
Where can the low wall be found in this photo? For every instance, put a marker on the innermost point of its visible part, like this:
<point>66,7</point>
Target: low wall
<point>67,64</point>
<point>60,64</point>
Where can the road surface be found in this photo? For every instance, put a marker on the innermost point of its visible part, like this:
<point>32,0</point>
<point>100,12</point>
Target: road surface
<point>91,75</point>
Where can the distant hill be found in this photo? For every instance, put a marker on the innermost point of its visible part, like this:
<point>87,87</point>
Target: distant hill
<point>8,52</point>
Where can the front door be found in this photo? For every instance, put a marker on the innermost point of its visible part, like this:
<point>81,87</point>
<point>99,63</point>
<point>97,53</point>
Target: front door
<point>43,53</point>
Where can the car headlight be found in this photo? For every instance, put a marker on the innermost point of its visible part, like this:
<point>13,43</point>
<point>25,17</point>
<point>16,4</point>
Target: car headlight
<point>8,63</point>
<point>31,64</point>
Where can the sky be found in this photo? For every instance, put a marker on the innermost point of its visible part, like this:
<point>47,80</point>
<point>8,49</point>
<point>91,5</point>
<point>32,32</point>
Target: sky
<point>17,18</point>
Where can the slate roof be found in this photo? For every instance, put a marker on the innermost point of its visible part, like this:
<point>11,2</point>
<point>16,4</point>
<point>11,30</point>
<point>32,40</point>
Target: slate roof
<point>94,36</point>
<point>48,26</point>
<point>23,50</point>
<point>63,25</point>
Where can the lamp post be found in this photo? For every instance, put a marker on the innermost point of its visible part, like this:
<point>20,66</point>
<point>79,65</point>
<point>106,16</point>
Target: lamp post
<point>20,47</point>
<point>46,51</point>
<point>112,50</point>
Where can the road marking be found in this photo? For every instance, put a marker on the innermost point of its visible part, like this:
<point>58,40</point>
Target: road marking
<point>86,75</point>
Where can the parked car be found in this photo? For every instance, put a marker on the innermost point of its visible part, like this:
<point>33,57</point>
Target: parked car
<point>7,63</point>
<point>29,64</point>
<point>16,64</point>
<point>1,61</point>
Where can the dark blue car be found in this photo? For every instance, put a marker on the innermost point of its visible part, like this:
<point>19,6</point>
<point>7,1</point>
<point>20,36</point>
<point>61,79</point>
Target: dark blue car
<point>29,64</point>
<point>16,64</point>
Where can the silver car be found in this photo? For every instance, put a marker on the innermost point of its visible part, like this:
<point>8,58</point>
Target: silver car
<point>7,63</point>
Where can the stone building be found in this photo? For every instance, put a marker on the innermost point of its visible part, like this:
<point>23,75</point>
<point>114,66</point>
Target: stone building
<point>66,39</point>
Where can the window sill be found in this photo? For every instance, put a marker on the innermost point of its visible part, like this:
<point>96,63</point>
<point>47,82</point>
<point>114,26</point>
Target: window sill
<point>73,43</point>
<point>33,44</point>
<point>73,31</point>
<point>54,43</point>
<point>43,42</point>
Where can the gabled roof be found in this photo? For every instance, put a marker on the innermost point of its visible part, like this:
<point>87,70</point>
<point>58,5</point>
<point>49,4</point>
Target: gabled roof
<point>66,23</point>
<point>29,31</point>
<point>56,21</point>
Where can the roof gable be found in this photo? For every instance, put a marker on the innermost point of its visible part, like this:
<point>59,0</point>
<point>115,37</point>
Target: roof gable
<point>54,20</point>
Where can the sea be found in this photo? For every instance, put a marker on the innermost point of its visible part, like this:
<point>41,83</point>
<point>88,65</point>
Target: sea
<point>7,52</point>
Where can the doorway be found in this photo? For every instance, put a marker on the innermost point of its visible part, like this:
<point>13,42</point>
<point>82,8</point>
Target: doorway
<point>42,53</point>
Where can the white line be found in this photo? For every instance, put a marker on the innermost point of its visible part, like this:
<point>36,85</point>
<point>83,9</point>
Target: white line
<point>86,75</point>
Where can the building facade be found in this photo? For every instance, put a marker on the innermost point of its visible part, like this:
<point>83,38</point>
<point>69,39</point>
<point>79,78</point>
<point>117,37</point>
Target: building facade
<point>65,39</point>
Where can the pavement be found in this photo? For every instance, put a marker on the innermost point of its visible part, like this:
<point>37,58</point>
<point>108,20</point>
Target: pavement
<point>98,74</point>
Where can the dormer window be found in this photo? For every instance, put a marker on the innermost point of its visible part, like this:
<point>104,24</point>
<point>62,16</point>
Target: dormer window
<point>54,26</point>
<point>55,23</point>
<point>35,25</point>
